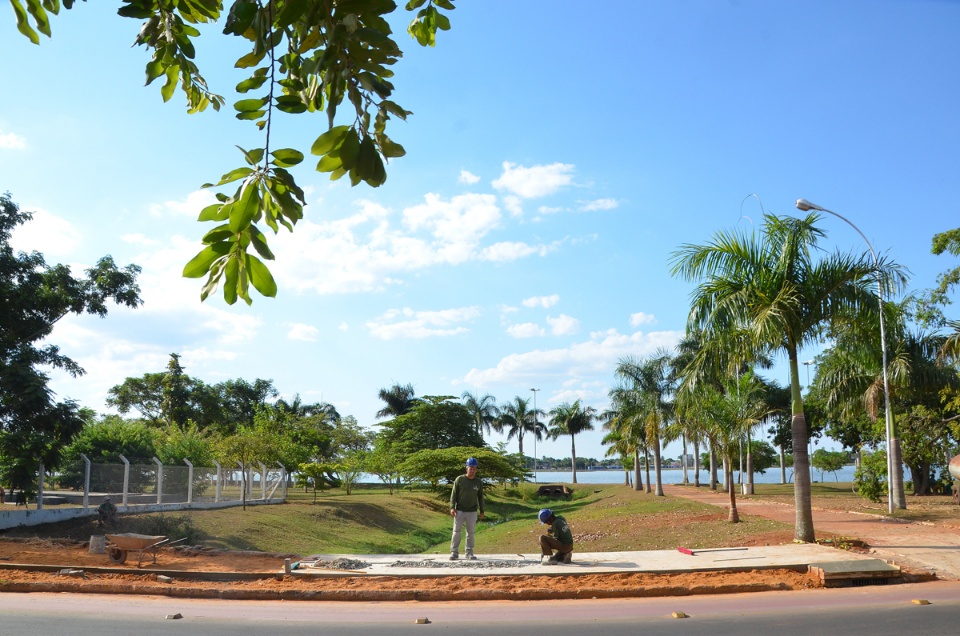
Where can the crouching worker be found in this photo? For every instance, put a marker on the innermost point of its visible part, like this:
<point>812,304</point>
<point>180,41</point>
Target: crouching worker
<point>106,513</point>
<point>559,537</point>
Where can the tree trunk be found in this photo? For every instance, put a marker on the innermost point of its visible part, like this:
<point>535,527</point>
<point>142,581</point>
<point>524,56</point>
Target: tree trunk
<point>656,465</point>
<point>783,465</point>
<point>683,459</point>
<point>734,516</point>
<point>727,475</point>
<point>713,468</point>
<point>696,462</point>
<point>803,530</point>
<point>637,479</point>
<point>646,465</point>
<point>573,458</point>
<point>896,470</point>
<point>749,490</point>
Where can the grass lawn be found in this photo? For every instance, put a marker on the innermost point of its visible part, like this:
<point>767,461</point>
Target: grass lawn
<point>372,521</point>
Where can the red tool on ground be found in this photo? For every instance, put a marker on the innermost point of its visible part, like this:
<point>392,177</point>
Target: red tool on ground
<point>694,552</point>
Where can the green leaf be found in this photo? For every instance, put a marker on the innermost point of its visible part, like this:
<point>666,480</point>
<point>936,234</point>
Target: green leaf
<point>329,163</point>
<point>259,242</point>
<point>414,4</point>
<point>23,24</point>
<point>248,105</point>
<point>257,114</point>
<point>390,149</point>
<point>172,73</point>
<point>350,149</point>
<point>254,156</point>
<point>291,104</point>
<point>255,81</point>
<point>329,140</point>
<point>230,278</point>
<point>365,159</point>
<point>246,208</point>
<point>261,277</point>
<point>249,60</point>
<point>233,175</point>
<point>200,264</point>
<point>286,157</point>
<point>217,234</point>
<point>154,70</point>
<point>215,212</point>
<point>444,4</point>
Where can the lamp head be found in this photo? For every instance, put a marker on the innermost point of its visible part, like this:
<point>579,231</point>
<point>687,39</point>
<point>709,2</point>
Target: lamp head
<point>805,206</point>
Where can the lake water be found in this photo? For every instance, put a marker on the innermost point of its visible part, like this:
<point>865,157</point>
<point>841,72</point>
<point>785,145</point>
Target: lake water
<point>667,475</point>
<point>675,476</point>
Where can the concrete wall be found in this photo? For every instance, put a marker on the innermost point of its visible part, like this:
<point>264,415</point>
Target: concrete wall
<point>18,517</point>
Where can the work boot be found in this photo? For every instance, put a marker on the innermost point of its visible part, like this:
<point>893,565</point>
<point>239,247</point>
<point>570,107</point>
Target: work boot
<point>554,560</point>
<point>568,557</point>
<point>454,556</point>
<point>471,556</point>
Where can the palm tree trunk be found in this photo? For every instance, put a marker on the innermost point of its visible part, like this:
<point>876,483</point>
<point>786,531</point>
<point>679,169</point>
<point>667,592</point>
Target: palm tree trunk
<point>637,479</point>
<point>727,475</point>
<point>646,465</point>
<point>683,459</point>
<point>656,465</point>
<point>713,468</point>
<point>734,516</point>
<point>783,465</point>
<point>573,457</point>
<point>696,462</point>
<point>896,475</point>
<point>803,530</point>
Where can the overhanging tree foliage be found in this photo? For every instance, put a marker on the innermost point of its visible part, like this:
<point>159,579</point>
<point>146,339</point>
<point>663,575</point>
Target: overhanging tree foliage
<point>305,56</point>
<point>34,426</point>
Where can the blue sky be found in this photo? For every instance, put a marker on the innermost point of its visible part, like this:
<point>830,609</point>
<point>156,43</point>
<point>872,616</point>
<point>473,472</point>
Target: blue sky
<point>556,157</point>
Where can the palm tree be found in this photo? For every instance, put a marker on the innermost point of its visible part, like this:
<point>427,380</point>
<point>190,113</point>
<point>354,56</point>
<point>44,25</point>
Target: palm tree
<point>483,410</point>
<point>516,418</point>
<point>733,413</point>
<point>399,400</point>
<point>626,435</point>
<point>572,419</point>
<point>652,383</point>
<point>767,285</point>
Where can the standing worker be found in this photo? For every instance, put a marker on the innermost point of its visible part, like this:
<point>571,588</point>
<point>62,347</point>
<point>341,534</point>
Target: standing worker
<point>466,506</point>
<point>559,537</point>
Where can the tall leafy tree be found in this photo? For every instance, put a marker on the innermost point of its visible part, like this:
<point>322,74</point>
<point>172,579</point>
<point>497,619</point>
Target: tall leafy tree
<point>769,285</point>
<point>572,419</point>
<point>517,419</point>
<point>34,425</point>
<point>434,422</point>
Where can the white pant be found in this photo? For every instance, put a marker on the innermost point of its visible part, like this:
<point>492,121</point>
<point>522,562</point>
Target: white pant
<point>468,519</point>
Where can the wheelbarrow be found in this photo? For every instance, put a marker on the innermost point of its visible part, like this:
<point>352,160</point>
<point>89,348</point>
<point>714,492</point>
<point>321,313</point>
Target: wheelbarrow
<point>119,546</point>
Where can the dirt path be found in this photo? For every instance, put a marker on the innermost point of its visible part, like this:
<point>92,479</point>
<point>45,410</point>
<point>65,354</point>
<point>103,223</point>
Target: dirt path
<point>918,545</point>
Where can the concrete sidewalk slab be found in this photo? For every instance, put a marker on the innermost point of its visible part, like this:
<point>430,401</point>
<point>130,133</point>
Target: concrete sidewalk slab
<point>793,556</point>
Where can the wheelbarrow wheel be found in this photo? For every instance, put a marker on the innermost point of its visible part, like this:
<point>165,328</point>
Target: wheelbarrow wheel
<point>117,555</point>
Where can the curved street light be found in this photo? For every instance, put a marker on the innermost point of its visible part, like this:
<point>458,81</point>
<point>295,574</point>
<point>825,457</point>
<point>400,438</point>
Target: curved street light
<point>894,490</point>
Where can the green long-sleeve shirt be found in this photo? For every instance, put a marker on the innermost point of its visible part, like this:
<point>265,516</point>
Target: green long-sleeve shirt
<point>561,531</point>
<point>467,494</point>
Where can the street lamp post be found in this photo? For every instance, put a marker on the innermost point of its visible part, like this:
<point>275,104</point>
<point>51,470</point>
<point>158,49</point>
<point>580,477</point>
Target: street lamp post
<point>535,431</point>
<point>807,364</point>
<point>895,498</point>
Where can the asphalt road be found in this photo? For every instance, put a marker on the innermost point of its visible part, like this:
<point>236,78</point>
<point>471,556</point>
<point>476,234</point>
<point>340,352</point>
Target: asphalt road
<point>877,611</point>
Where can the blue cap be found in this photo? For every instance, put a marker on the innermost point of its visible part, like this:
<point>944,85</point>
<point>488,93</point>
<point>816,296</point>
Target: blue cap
<point>472,461</point>
<point>545,514</point>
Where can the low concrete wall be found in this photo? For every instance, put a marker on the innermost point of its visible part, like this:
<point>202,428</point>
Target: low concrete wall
<point>23,517</point>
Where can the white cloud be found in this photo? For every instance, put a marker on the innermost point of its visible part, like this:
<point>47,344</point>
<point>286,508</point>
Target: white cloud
<point>468,177</point>
<point>641,318</point>
<point>12,141</point>
<point>599,204</point>
<point>525,330</point>
<point>563,325</point>
<point>533,182</point>
<point>588,361</point>
<point>300,331</point>
<point>189,207</point>
<point>407,323</point>
<point>343,326</point>
<point>48,233</point>
<point>365,252</point>
<point>513,204</point>
<point>541,301</point>
<point>545,209</point>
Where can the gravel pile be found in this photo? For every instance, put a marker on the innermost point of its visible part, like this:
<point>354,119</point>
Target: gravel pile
<point>462,565</point>
<point>341,564</point>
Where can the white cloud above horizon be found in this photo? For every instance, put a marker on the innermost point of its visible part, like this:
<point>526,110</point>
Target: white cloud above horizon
<point>305,333</point>
<point>599,204</point>
<point>525,330</point>
<point>468,177</point>
<point>48,233</point>
<point>641,318</point>
<point>563,325</point>
<point>408,323</point>
<point>541,301</point>
<point>535,181</point>
<point>12,141</point>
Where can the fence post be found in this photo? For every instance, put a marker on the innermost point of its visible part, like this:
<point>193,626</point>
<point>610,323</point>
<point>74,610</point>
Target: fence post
<point>219,491</point>
<point>283,478</point>
<point>86,482</point>
<point>189,480</point>
<point>126,479</point>
<point>159,480</point>
<point>263,481</point>
<point>40,488</point>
